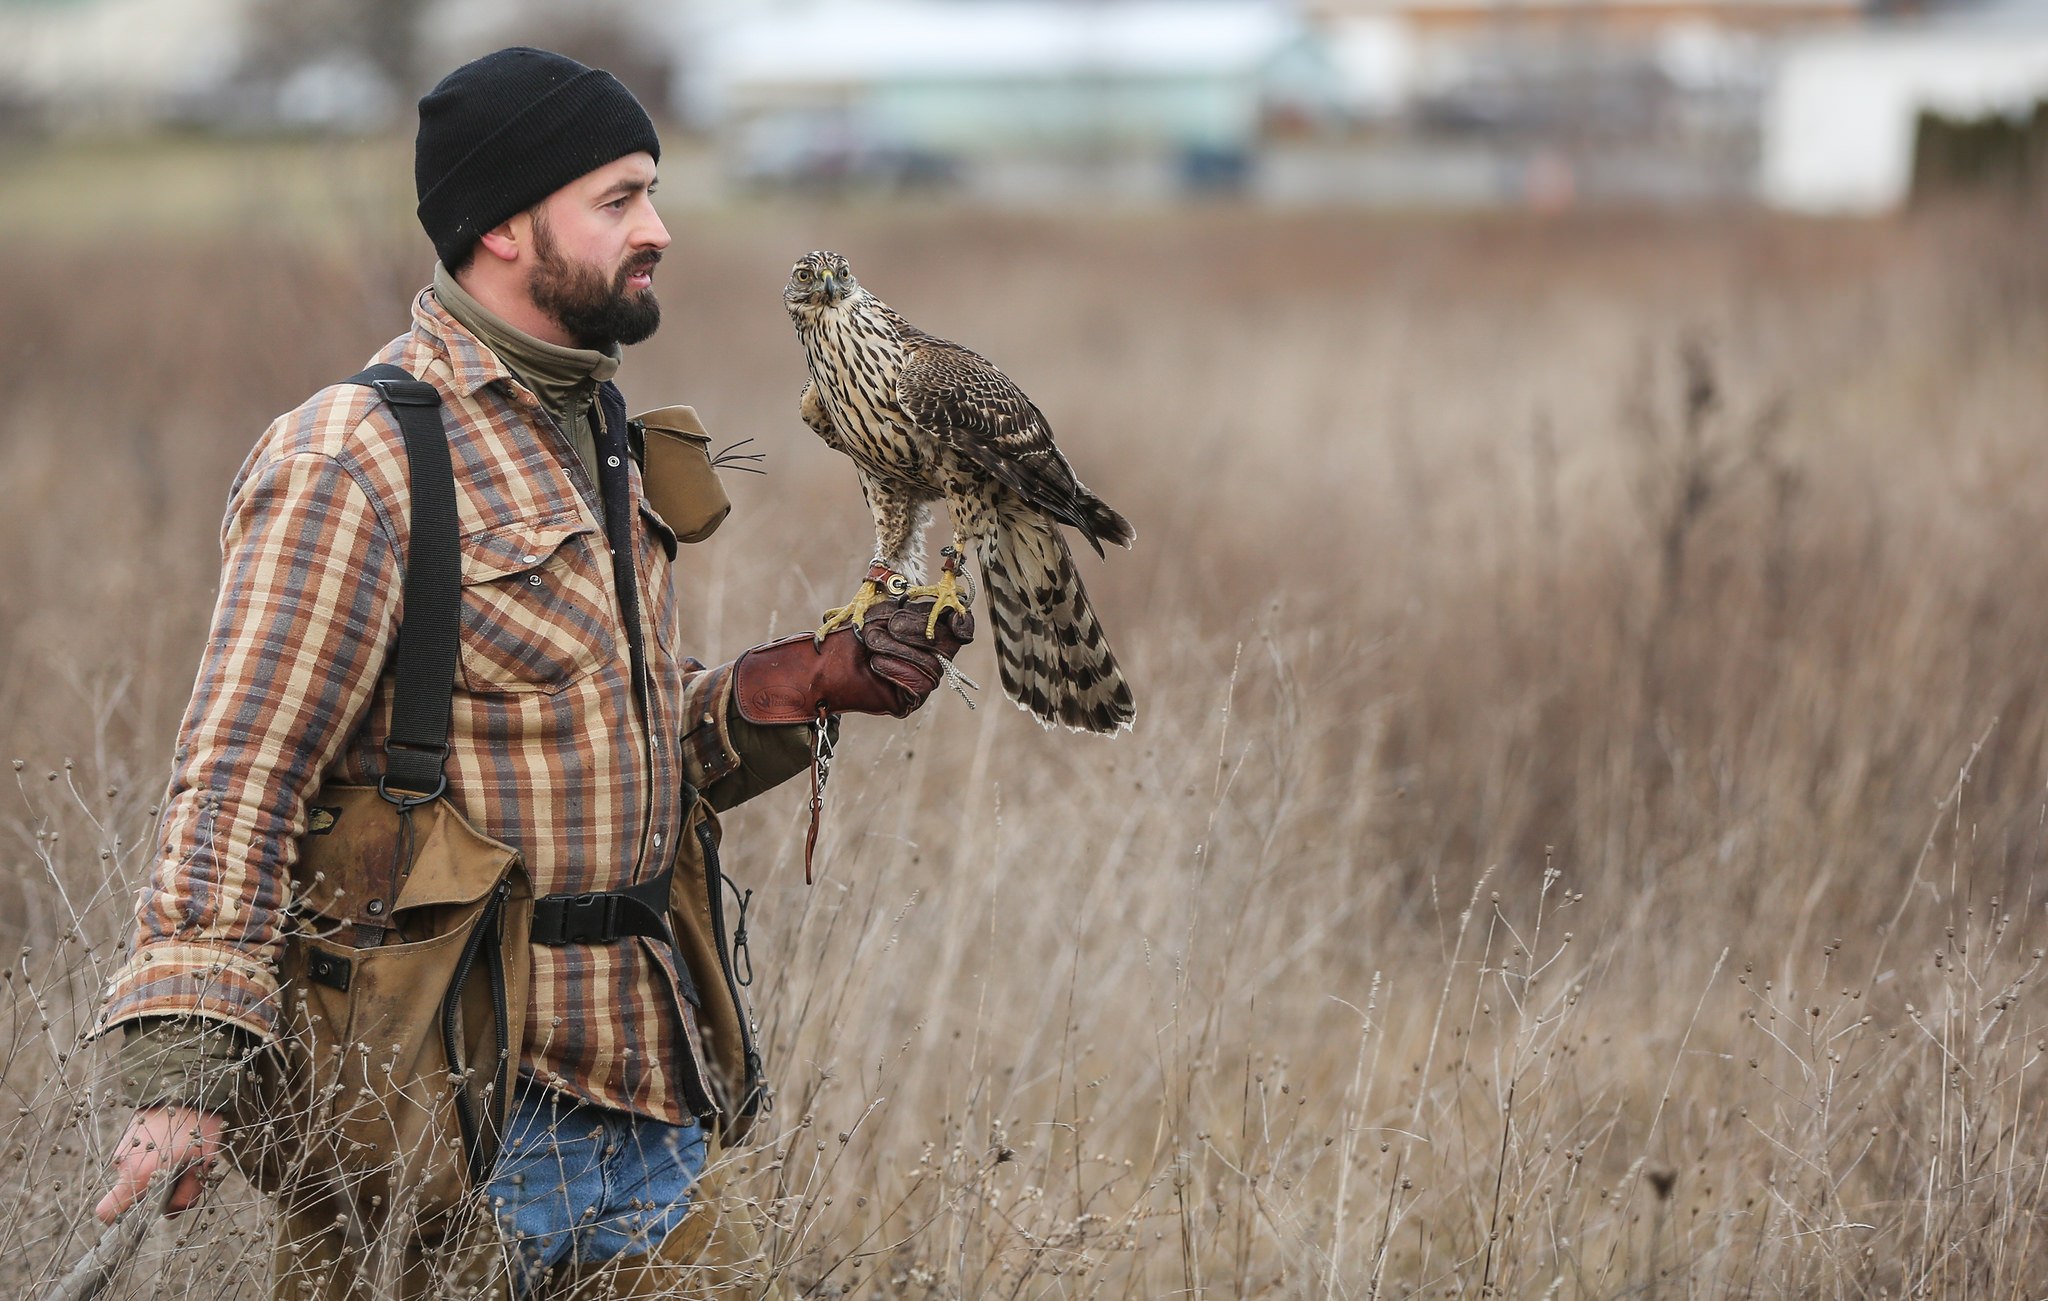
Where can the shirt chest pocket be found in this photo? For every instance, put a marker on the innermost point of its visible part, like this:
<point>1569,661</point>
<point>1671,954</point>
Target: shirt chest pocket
<point>536,611</point>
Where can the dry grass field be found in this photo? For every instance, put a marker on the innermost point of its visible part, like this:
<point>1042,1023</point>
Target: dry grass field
<point>1583,835</point>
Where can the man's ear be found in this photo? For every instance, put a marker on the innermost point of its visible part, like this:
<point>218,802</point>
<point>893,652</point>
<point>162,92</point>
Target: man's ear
<point>505,240</point>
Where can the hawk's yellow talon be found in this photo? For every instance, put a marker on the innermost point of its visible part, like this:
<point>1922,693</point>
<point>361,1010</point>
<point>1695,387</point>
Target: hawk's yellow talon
<point>945,596</point>
<point>850,614</point>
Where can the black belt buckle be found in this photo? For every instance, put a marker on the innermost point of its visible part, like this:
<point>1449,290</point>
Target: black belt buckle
<point>591,918</point>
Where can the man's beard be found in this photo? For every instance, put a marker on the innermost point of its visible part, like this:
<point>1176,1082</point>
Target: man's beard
<point>594,313</point>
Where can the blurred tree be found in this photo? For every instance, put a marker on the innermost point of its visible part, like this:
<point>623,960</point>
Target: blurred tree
<point>412,43</point>
<point>286,35</point>
<point>1995,154</point>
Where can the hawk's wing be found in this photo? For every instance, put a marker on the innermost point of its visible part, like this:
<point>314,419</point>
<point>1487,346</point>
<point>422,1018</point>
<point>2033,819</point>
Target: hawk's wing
<point>959,398</point>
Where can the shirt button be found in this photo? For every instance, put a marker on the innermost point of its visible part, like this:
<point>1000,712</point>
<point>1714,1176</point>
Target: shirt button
<point>612,461</point>
<point>657,840</point>
<point>533,580</point>
<point>530,560</point>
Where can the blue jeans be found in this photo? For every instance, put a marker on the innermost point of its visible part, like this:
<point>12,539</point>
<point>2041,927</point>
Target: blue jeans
<point>578,1184</point>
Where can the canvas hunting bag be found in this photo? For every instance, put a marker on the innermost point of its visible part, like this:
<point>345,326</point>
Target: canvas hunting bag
<point>405,971</point>
<point>677,471</point>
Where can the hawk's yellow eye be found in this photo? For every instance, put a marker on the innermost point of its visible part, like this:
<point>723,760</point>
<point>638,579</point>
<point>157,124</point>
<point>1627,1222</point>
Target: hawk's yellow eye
<point>845,271</point>
<point>803,275</point>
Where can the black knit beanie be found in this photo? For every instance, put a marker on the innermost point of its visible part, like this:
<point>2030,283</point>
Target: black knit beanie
<point>502,133</point>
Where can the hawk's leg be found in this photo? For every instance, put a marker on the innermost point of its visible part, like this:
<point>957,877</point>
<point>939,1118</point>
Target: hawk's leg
<point>881,584</point>
<point>949,593</point>
<point>899,523</point>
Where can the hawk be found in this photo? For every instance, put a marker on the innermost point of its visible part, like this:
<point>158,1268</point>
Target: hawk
<point>926,420</point>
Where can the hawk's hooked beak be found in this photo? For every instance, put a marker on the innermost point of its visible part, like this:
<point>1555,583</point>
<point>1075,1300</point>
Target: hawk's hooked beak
<point>829,284</point>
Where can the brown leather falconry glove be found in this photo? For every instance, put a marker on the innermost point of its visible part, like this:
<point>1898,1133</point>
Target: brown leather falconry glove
<point>886,666</point>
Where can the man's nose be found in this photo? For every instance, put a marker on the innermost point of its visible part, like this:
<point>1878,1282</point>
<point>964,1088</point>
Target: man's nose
<point>651,233</point>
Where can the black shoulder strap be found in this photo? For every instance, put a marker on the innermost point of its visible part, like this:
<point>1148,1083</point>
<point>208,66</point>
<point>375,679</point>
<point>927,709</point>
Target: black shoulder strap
<point>418,745</point>
<point>636,443</point>
<point>620,525</point>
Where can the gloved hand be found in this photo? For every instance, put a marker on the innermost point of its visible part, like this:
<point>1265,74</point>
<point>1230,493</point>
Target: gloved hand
<point>885,666</point>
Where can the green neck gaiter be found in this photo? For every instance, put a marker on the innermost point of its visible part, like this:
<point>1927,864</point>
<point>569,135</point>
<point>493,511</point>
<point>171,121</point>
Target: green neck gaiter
<point>564,379</point>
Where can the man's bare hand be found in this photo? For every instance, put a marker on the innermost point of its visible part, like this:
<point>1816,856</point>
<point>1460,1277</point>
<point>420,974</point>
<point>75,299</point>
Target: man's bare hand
<point>178,1139</point>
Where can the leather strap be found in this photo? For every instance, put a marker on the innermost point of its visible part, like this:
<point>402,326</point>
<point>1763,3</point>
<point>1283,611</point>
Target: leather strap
<point>604,916</point>
<point>417,747</point>
<point>824,735</point>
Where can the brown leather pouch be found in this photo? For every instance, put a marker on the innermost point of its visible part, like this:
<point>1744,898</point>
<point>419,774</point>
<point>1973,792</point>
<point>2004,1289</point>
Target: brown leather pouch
<point>678,476</point>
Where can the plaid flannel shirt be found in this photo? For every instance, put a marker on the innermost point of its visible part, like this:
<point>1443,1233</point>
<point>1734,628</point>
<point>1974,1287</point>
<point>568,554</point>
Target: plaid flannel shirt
<point>549,751</point>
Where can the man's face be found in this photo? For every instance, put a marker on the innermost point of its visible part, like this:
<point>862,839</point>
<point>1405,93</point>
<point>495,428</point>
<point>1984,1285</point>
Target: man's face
<point>595,244</point>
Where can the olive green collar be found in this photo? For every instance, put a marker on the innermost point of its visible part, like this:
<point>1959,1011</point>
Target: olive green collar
<point>564,379</point>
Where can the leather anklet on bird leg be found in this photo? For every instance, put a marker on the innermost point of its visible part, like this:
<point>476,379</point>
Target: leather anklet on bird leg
<point>880,585</point>
<point>949,593</point>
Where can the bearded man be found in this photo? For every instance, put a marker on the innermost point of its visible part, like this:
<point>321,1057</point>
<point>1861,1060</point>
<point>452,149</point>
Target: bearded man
<point>579,734</point>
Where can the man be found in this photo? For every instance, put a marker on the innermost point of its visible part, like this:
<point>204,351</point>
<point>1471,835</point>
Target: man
<point>578,730</point>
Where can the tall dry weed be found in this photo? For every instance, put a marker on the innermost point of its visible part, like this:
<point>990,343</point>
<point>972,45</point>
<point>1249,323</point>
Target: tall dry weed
<point>1582,836</point>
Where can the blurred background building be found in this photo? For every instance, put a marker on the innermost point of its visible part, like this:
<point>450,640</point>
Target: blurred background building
<point>1813,105</point>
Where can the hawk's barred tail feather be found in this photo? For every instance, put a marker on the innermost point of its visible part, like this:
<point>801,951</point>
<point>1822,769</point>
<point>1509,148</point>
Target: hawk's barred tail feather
<point>1054,660</point>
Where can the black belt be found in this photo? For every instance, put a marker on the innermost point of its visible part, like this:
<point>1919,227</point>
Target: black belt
<point>602,916</point>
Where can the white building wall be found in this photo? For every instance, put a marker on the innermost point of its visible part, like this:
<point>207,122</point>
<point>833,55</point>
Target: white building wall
<point>1375,55</point>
